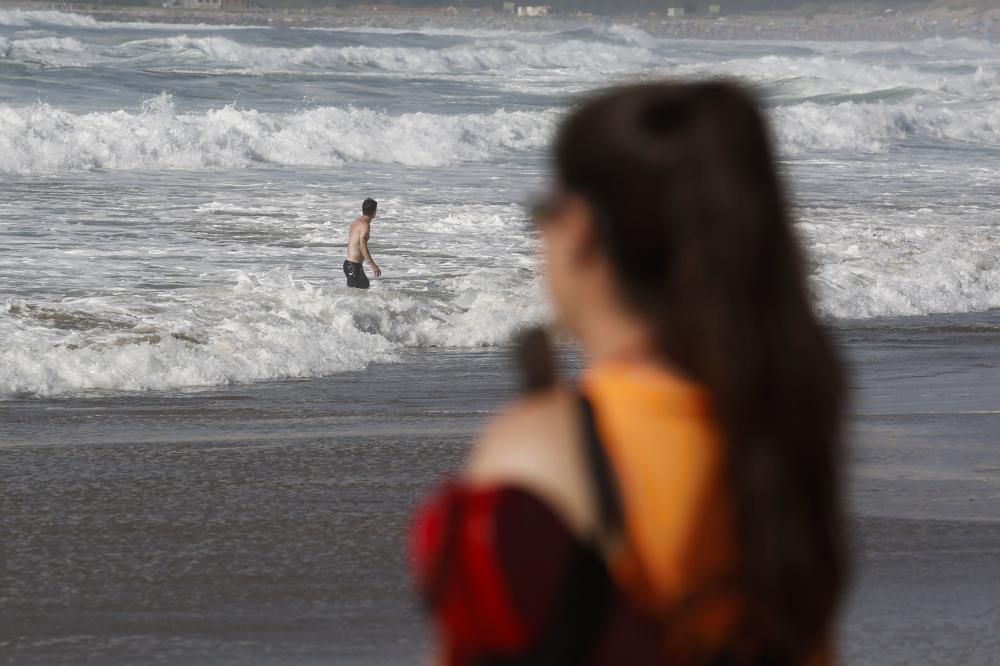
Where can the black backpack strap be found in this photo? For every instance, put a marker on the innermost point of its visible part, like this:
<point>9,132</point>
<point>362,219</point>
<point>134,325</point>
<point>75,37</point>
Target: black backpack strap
<point>610,514</point>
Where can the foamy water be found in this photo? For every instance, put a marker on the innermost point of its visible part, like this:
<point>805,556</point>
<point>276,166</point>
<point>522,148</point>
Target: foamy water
<point>176,197</point>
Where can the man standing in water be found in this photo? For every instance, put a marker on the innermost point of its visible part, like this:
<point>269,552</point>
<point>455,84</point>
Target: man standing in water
<point>357,248</point>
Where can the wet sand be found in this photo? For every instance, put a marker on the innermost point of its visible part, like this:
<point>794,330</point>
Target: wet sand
<point>263,524</point>
<point>924,487</point>
<point>251,525</point>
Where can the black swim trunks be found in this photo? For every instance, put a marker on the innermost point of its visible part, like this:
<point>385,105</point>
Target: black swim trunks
<point>356,275</point>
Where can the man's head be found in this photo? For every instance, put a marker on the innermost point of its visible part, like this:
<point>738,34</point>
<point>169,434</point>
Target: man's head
<point>369,207</point>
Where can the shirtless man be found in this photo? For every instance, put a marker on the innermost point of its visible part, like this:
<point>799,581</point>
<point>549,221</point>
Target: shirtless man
<point>357,248</point>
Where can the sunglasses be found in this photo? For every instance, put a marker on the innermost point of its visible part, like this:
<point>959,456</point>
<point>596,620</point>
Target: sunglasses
<point>550,206</point>
<point>545,208</point>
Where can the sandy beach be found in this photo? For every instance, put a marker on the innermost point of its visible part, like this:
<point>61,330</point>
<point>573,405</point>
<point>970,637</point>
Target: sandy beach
<point>264,524</point>
<point>973,20</point>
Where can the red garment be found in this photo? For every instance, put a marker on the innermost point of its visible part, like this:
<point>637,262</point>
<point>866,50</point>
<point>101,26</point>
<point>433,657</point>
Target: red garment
<point>507,582</point>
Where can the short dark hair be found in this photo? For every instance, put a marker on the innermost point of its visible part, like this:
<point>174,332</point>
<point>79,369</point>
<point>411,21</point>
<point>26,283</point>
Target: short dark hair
<point>369,206</point>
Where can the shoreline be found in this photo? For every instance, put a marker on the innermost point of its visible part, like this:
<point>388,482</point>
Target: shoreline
<point>872,25</point>
<point>945,328</point>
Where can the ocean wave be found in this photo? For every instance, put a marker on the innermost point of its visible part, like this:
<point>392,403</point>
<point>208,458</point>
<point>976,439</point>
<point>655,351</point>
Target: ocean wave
<point>873,128</point>
<point>616,51</point>
<point>49,51</point>
<point>489,57</point>
<point>264,327</point>
<point>429,30</point>
<point>632,35</point>
<point>22,18</point>
<point>614,33</point>
<point>919,262</point>
<point>796,78</point>
<point>948,48</point>
<point>44,139</point>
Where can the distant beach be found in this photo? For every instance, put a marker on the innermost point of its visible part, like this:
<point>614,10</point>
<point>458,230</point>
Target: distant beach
<point>875,24</point>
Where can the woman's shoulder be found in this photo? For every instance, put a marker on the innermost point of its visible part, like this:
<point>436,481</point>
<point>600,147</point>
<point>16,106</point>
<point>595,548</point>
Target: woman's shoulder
<point>542,418</point>
<point>534,445</point>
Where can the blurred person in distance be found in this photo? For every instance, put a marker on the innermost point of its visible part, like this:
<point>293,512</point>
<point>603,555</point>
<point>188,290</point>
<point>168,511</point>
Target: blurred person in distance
<point>679,504</point>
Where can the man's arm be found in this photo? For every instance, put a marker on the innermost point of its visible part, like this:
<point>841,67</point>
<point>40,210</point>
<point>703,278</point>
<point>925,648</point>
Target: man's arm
<point>368,255</point>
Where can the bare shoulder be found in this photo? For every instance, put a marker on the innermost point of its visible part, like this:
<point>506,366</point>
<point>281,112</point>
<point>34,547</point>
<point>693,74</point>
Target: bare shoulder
<point>525,423</point>
<point>534,444</point>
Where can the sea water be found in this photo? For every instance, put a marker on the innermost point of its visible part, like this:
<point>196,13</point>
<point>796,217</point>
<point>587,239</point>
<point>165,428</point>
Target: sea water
<point>174,199</point>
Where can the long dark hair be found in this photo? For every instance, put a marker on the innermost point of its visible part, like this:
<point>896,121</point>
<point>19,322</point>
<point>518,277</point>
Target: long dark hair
<point>689,206</point>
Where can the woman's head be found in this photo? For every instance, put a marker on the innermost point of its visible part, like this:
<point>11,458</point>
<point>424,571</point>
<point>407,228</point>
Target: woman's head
<point>669,209</point>
<point>671,192</point>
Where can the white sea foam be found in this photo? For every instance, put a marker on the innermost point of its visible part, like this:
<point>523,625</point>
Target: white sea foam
<point>40,138</point>
<point>21,18</point>
<point>485,56</point>
<point>632,35</point>
<point>268,326</point>
<point>47,50</point>
<point>430,30</point>
<point>564,61</point>
<point>911,263</point>
<point>824,75</point>
<point>950,48</point>
<point>852,127</point>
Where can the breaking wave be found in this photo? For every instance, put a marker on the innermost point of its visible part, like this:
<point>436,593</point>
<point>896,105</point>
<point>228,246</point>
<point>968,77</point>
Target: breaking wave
<point>870,128</point>
<point>41,138</point>
<point>912,263</point>
<point>263,327</point>
<point>492,56</point>
<point>23,18</point>
<point>486,56</point>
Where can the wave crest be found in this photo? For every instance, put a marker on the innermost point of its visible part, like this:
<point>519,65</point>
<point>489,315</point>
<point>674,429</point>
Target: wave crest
<point>21,18</point>
<point>41,138</point>
<point>872,128</point>
<point>488,56</point>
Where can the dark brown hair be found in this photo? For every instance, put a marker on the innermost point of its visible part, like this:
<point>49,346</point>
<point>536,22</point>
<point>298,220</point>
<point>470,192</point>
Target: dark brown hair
<point>689,206</point>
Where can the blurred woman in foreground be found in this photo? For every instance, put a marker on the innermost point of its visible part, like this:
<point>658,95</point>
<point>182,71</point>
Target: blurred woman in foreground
<point>679,504</point>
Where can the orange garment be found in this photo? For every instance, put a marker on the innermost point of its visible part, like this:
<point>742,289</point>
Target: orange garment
<point>666,454</point>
